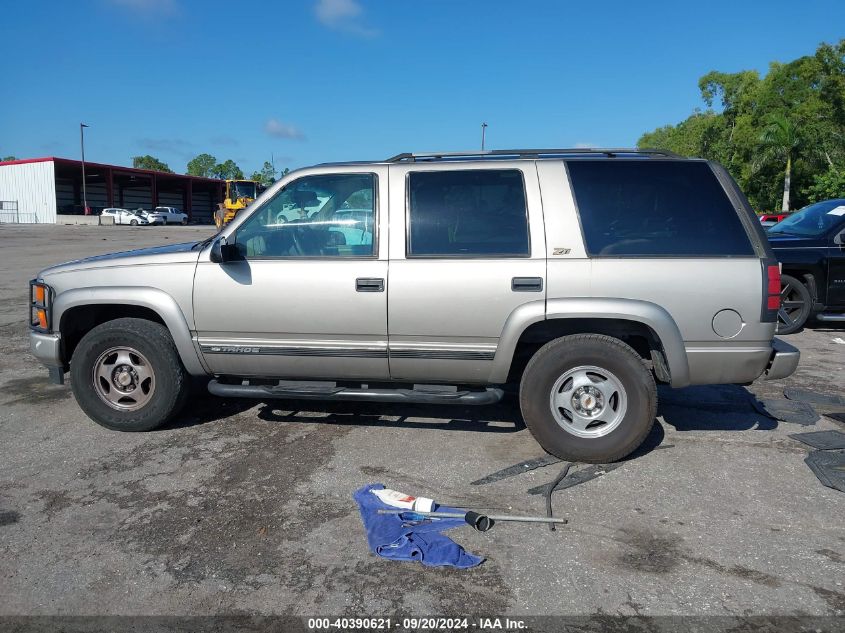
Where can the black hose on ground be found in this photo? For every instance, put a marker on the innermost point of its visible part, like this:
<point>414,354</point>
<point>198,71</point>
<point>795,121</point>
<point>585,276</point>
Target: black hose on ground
<point>551,488</point>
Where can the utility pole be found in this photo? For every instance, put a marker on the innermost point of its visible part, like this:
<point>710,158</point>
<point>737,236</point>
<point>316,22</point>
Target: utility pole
<point>483,130</point>
<point>82,127</point>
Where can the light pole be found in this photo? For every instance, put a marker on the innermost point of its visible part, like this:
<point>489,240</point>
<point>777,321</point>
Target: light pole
<point>483,130</point>
<point>82,127</point>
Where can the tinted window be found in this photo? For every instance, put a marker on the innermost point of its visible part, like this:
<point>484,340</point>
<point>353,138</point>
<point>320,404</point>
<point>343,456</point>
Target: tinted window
<point>814,220</point>
<point>315,216</point>
<point>467,213</point>
<point>655,208</point>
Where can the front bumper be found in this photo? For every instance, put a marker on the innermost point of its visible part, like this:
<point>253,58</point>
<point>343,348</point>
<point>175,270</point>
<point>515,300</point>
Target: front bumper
<point>783,361</point>
<point>48,349</point>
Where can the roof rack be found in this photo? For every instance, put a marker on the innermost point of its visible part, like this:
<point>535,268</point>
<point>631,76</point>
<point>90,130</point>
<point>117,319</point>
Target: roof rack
<point>408,157</point>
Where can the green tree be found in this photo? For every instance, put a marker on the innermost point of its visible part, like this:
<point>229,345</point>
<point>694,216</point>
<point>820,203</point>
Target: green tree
<point>780,143</point>
<point>202,166</point>
<point>227,171</point>
<point>830,184</point>
<point>5,158</point>
<point>267,175</point>
<point>150,162</point>
<point>741,107</point>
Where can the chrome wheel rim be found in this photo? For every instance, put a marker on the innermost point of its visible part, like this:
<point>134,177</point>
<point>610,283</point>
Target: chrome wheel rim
<point>124,379</point>
<point>588,401</point>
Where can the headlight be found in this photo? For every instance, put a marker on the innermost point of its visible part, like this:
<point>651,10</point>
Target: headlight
<point>40,304</point>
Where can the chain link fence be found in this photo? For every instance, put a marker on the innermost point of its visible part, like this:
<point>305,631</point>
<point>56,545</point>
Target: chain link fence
<point>11,214</point>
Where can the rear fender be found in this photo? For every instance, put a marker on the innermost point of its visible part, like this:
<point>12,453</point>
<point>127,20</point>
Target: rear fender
<point>645,312</point>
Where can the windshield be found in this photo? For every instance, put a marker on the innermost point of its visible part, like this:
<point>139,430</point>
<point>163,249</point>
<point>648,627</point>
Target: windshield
<point>814,220</point>
<point>242,189</point>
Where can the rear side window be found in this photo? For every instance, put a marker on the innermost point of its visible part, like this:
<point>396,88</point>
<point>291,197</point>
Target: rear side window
<point>467,213</point>
<point>654,208</point>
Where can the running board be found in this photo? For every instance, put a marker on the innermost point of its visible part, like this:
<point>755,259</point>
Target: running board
<point>327,391</point>
<point>830,317</point>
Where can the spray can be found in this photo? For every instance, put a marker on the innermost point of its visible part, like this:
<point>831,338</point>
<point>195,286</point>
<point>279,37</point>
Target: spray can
<point>406,502</point>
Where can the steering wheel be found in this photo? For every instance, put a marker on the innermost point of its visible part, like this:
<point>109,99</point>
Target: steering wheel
<point>295,234</point>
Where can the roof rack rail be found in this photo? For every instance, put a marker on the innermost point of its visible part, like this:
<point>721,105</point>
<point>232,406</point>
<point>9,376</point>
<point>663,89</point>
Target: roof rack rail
<point>409,157</point>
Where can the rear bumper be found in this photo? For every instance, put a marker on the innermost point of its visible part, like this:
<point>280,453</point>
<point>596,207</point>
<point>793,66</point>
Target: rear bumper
<point>783,362</point>
<point>722,364</point>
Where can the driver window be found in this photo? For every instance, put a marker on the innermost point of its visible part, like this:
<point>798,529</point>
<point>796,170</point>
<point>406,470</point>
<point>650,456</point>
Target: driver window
<point>329,215</point>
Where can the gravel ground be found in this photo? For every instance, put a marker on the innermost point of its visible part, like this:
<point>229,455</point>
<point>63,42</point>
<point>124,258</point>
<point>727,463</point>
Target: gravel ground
<point>245,507</point>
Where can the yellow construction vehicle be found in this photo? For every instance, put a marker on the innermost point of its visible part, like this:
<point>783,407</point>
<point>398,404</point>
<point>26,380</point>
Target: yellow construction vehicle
<point>239,195</point>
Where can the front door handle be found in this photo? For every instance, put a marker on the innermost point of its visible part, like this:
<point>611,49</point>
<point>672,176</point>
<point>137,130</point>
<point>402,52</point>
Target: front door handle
<point>527,284</point>
<point>369,284</point>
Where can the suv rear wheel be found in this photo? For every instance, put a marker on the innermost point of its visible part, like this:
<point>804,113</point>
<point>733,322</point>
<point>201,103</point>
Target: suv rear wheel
<point>588,398</point>
<point>126,375</point>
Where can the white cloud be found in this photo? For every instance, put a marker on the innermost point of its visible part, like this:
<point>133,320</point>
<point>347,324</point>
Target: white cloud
<point>343,15</point>
<point>177,146</point>
<point>225,139</point>
<point>148,7</point>
<point>274,127</point>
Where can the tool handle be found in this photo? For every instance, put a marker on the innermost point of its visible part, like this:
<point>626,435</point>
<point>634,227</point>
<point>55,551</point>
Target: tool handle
<point>480,522</point>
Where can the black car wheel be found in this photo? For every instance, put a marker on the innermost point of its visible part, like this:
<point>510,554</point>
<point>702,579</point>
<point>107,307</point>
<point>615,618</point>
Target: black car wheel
<point>126,375</point>
<point>588,398</point>
<point>795,305</point>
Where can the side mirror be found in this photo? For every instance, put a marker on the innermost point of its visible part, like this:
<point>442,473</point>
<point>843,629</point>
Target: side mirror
<point>222,252</point>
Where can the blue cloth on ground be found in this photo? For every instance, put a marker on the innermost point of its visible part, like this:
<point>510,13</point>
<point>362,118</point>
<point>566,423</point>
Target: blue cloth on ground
<point>391,536</point>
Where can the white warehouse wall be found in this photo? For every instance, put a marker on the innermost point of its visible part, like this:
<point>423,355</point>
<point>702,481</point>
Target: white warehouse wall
<point>33,187</point>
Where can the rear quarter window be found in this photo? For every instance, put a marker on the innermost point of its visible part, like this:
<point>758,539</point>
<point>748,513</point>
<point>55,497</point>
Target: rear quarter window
<point>655,208</point>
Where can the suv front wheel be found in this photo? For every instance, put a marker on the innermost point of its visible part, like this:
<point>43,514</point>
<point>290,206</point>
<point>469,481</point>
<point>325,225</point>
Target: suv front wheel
<point>588,398</point>
<point>126,375</point>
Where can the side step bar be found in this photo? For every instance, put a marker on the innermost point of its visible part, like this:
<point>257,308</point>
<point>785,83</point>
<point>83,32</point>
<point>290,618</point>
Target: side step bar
<point>830,317</point>
<point>324,391</point>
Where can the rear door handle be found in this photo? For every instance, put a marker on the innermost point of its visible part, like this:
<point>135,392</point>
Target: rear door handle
<point>527,284</point>
<point>369,284</point>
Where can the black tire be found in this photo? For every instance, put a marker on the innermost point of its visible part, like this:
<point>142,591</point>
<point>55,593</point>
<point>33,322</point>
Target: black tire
<point>565,354</point>
<point>133,222</point>
<point>153,341</point>
<point>184,221</point>
<point>796,305</point>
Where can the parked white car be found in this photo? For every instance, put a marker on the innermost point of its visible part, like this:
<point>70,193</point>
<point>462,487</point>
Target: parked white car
<point>169,215</point>
<point>125,216</point>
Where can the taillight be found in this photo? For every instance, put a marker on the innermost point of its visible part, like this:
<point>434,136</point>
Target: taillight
<point>773,273</point>
<point>771,296</point>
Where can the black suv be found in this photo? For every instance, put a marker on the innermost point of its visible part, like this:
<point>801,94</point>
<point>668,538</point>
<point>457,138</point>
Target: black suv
<point>809,245</point>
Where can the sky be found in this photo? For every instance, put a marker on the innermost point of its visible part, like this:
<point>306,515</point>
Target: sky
<point>311,81</point>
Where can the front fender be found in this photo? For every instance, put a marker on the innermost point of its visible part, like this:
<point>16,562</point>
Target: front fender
<point>153,298</point>
<point>645,312</point>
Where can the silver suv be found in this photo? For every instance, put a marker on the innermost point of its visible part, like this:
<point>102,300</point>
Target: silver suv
<point>582,277</point>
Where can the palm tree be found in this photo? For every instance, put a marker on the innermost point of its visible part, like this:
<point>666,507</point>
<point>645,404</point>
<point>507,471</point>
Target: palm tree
<point>779,142</point>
